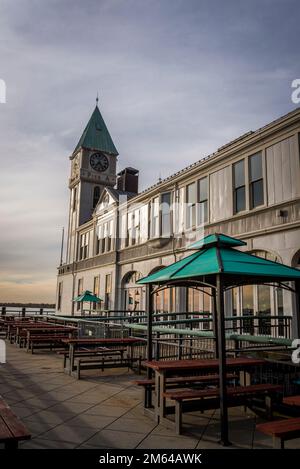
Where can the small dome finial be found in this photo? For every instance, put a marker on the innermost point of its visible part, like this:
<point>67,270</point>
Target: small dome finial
<point>97,99</point>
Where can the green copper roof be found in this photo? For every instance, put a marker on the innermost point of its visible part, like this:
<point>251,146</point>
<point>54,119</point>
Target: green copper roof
<point>216,239</point>
<point>96,135</point>
<point>214,258</point>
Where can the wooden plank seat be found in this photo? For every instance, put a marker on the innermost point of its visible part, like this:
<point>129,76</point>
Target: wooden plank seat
<point>12,429</point>
<point>281,430</point>
<point>98,351</point>
<point>292,401</point>
<point>185,380</point>
<point>107,360</point>
<point>204,399</point>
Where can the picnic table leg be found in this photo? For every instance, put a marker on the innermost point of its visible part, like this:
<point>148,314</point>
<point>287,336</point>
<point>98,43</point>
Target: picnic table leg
<point>178,417</point>
<point>156,396</point>
<point>161,399</point>
<point>269,407</point>
<point>278,443</point>
<point>71,354</point>
<point>27,341</point>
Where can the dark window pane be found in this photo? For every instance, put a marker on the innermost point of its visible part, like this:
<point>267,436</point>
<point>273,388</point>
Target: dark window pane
<point>239,174</point>
<point>240,199</point>
<point>255,167</point>
<point>165,214</point>
<point>202,215</point>
<point>203,189</point>
<point>257,190</point>
<point>191,193</point>
<point>96,196</point>
<point>248,308</point>
<point>165,201</point>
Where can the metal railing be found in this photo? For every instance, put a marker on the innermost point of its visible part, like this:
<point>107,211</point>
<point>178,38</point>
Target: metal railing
<point>25,311</point>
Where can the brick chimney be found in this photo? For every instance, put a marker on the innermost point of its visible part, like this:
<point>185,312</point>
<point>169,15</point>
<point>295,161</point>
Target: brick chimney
<point>128,180</point>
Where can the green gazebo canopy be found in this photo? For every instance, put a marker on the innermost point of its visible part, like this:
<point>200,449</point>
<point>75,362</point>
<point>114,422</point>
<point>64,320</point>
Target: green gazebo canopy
<point>215,255</point>
<point>87,296</point>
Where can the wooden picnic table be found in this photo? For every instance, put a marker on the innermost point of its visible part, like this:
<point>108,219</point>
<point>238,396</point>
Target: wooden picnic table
<point>15,326</point>
<point>94,342</point>
<point>167,368</point>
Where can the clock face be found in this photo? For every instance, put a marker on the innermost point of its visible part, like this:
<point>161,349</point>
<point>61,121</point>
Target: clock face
<point>99,162</point>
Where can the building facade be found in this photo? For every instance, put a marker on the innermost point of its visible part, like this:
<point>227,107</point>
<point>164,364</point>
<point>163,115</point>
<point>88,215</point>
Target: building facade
<point>249,189</point>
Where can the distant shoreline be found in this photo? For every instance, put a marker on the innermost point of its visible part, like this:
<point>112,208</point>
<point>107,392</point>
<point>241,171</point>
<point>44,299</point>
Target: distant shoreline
<point>28,305</point>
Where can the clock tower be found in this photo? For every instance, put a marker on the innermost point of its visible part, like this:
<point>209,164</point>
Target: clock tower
<point>93,167</point>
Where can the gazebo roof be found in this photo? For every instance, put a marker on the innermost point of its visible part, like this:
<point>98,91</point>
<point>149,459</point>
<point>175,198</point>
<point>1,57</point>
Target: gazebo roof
<point>217,239</point>
<point>216,255</point>
<point>87,296</point>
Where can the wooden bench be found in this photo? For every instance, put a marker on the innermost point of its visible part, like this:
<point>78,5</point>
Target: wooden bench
<point>12,429</point>
<point>98,351</point>
<point>205,399</point>
<point>183,381</point>
<point>281,430</point>
<point>105,360</point>
<point>88,353</point>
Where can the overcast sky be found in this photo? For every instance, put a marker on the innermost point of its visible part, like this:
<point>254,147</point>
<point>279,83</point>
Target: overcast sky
<point>176,79</point>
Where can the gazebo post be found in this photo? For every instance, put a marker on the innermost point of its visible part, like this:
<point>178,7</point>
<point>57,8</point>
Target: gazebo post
<point>222,361</point>
<point>215,321</point>
<point>148,309</point>
<point>297,305</point>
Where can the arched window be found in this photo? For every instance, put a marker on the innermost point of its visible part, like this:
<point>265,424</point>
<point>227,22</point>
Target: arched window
<point>105,201</point>
<point>96,195</point>
<point>296,260</point>
<point>132,293</point>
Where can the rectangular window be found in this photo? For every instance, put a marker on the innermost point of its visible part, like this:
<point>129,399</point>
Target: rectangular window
<point>107,291</point>
<point>239,188</point>
<point>264,309</point>
<point>280,312</point>
<point>109,236</point>
<point>79,291</point>
<point>59,296</point>
<point>124,234</point>
<point>99,230</point>
<point>155,218</point>
<point>256,181</point>
<point>247,309</point>
<point>136,226</point>
<point>203,201</point>
<point>166,214</point>
<point>84,246</point>
<point>74,198</point>
<point>96,289</point>
<point>130,229</point>
<point>191,205</point>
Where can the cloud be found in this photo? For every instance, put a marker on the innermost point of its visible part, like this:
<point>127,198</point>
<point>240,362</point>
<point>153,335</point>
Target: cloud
<point>176,80</point>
